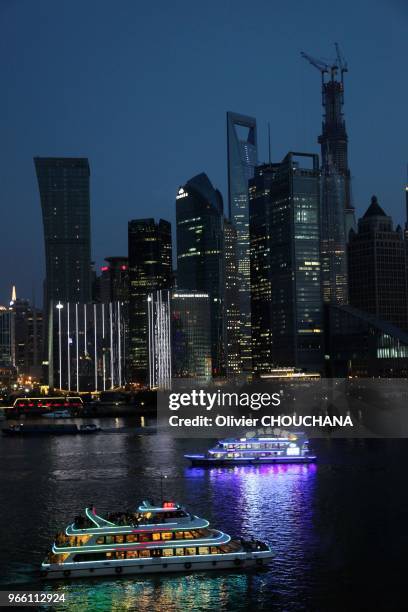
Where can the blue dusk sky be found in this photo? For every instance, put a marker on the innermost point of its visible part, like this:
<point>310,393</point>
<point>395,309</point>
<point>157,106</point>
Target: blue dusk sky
<point>142,89</point>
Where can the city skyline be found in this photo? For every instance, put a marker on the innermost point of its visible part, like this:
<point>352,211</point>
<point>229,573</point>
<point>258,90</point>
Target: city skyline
<point>288,96</point>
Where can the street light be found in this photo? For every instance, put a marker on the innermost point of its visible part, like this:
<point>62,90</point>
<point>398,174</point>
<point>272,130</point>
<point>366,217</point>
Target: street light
<point>59,306</point>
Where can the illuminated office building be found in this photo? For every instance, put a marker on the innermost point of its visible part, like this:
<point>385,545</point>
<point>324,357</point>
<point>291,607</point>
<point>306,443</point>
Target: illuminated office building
<point>242,159</point>
<point>231,302</point>
<point>179,337</point>
<point>7,342</point>
<point>28,337</point>
<point>86,350</point>
<point>150,269</point>
<point>286,299</point>
<point>200,254</point>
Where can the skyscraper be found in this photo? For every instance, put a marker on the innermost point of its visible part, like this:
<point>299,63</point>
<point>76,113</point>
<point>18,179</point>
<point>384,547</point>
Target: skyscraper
<point>377,268</point>
<point>179,337</point>
<point>285,264</point>
<point>65,201</point>
<point>231,302</point>
<point>28,336</point>
<point>333,251</point>
<point>114,281</point>
<point>200,253</point>
<point>7,341</point>
<point>337,212</point>
<point>242,159</point>
<point>150,269</point>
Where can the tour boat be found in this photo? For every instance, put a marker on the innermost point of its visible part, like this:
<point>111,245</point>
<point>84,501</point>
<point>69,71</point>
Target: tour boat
<point>152,539</point>
<point>293,448</point>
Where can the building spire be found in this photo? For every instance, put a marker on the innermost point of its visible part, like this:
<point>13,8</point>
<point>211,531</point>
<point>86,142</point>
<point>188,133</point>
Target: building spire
<point>13,294</point>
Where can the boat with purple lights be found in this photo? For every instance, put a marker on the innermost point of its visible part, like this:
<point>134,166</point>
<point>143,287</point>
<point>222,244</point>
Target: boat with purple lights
<point>291,448</point>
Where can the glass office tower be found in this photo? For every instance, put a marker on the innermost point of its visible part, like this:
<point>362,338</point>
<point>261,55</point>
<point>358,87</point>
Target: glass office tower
<point>65,201</point>
<point>150,269</point>
<point>285,264</point>
<point>200,253</point>
<point>242,159</point>
<point>179,337</point>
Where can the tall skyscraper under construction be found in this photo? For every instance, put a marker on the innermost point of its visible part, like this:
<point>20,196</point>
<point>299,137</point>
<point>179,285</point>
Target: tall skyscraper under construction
<point>336,210</point>
<point>242,159</point>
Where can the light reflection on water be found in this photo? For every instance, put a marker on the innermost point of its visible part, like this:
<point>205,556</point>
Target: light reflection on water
<point>317,518</point>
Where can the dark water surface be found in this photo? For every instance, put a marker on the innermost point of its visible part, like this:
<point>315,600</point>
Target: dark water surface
<point>339,528</point>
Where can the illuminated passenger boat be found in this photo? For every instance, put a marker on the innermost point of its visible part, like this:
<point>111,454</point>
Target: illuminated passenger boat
<point>152,539</point>
<point>294,448</point>
<point>44,405</point>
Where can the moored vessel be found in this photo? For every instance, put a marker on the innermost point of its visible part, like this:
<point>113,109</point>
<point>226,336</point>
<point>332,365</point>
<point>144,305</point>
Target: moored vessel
<point>156,539</point>
<point>291,448</point>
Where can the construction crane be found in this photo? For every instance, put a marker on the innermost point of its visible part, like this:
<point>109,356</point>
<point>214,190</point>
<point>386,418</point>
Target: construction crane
<point>321,65</point>
<point>342,64</point>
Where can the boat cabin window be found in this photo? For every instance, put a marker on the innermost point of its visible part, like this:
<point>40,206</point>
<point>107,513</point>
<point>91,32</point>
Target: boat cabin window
<point>131,537</point>
<point>179,535</point>
<point>168,552</point>
<point>190,550</point>
<point>167,535</point>
<point>214,550</point>
<point>203,550</point>
<point>188,535</point>
<point>179,552</point>
<point>144,537</point>
<point>156,536</point>
<point>100,540</point>
<point>144,553</point>
<point>109,539</point>
<point>131,554</point>
<point>119,539</point>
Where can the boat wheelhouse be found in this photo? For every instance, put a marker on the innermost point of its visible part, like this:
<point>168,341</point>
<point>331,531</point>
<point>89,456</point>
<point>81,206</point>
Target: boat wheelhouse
<point>292,448</point>
<point>153,539</point>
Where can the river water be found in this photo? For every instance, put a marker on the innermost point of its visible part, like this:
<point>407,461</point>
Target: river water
<point>338,528</point>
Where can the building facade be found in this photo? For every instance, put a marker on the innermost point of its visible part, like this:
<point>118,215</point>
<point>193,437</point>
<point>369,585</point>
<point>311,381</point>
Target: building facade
<point>286,301</point>
<point>179,338</point>
<point>200,254</point>
<point>7,333</point>
<point>377,268</point>
<point>361,345</point>
<point>86,348</point>
<point>231,302</point>
<point>28,337</point>
<point>150,269</point>
<point>114,280</point>
<point>242,158</point>
<point>65,201</point>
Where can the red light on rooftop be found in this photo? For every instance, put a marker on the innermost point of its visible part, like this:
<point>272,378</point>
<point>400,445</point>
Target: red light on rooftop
<point>123,267</point>
<point>169,504</point>
<point>104,268</point>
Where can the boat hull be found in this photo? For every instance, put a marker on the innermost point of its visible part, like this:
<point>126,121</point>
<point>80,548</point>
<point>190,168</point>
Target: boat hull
<point>236,561</point>
<point>203,461</point>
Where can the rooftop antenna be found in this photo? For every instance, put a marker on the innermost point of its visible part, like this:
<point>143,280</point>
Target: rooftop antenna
<point>269,141</point>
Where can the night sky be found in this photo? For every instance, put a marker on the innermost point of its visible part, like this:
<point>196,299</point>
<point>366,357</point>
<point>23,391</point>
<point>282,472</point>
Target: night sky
<point>142,88</point>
